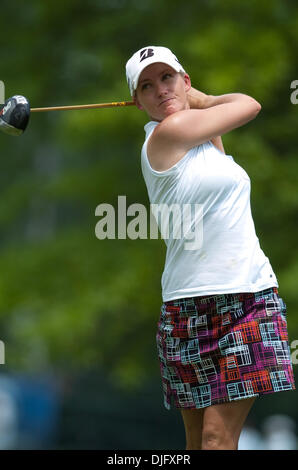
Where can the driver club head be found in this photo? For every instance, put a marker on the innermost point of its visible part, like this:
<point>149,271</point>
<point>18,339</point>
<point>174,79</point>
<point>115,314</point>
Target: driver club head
<point>14,115</point>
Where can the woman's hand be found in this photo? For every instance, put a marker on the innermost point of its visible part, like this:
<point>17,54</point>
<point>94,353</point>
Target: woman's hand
<point>197,99</point>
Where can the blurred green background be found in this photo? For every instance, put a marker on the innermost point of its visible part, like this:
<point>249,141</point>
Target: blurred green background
<point>77,314</point>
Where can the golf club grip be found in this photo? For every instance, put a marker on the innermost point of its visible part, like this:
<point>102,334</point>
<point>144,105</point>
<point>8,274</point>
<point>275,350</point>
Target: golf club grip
<point>84,106</point>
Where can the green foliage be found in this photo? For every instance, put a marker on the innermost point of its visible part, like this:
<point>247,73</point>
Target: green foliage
<point>69,300</point>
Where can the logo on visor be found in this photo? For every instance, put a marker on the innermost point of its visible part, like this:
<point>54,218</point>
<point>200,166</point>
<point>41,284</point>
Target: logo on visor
<point>146,53</point>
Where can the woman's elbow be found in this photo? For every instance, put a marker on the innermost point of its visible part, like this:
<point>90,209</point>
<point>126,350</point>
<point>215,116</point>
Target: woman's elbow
<point>256,107</point>
<point>253,109</point>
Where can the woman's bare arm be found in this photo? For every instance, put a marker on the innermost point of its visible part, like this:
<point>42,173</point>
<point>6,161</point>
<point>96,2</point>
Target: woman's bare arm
<point>199,100</point>
<point>217,141</point>
<point>186,129</point>
<point>183,130</point>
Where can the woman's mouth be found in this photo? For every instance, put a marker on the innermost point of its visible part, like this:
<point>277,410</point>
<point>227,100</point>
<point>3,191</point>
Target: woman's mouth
<point>165,101</point>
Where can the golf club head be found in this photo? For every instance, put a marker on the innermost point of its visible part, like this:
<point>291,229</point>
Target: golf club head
<point>14,115</point>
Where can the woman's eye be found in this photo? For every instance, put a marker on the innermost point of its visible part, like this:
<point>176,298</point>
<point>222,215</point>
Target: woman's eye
<point>147,85</point>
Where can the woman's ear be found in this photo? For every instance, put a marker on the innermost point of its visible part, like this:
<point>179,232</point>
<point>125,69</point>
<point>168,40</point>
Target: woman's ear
<point>136,101</point>
<point>187,82</point>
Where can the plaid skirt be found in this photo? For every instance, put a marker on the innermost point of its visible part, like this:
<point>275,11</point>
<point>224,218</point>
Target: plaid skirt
<point>219,348</point>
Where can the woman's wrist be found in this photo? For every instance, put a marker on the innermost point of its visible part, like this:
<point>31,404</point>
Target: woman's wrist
<point>197,99</point>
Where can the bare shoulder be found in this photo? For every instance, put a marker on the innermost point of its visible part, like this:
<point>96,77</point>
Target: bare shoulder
<point>165,147</point>
<point>185,129</point>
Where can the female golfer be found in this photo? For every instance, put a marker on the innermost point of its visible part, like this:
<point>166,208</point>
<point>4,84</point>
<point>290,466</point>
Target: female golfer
<point>222,334</point>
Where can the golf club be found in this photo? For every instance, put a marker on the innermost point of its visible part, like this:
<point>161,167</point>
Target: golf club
<point>15,113</point>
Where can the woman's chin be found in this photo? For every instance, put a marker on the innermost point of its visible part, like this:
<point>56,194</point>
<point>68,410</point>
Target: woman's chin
<point>167,112</point>
<point>170,110</point>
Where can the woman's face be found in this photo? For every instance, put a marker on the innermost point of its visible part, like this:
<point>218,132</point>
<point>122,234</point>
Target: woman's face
<point>162,91</point>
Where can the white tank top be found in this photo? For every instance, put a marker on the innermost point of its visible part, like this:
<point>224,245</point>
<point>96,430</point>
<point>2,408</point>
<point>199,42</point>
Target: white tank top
<point>211,193</point>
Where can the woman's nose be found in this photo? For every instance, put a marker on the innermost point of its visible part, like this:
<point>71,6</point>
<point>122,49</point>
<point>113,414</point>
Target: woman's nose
<point>161,89</point>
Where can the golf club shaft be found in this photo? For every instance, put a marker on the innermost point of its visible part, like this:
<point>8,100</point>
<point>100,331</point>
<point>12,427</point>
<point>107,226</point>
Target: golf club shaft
<point>84,106</point>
